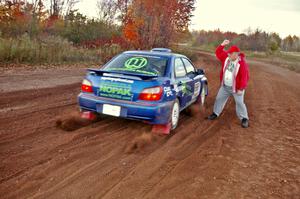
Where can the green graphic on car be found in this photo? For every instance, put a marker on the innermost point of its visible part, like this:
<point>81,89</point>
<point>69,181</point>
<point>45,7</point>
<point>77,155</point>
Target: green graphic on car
<point>115,90</point>
<point>136,65</point>
<point>186,89</point>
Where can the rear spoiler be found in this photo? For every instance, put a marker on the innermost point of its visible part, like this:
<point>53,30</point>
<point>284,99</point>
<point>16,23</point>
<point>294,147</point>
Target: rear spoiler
<point>141,76</point>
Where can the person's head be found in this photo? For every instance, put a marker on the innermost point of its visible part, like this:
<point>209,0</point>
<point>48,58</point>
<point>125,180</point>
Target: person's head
<point>233,53</point>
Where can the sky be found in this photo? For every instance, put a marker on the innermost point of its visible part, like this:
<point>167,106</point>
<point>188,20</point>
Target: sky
<point>281,16</point>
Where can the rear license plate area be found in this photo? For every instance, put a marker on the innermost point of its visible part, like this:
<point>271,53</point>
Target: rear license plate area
<point>112,110</point>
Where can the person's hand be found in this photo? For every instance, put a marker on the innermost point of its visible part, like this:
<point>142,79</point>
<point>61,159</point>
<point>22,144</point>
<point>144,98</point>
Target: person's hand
<point>225,42</point>
<point>240,92</point>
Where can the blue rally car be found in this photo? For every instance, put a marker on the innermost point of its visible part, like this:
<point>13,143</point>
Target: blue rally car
<point>152,86</point>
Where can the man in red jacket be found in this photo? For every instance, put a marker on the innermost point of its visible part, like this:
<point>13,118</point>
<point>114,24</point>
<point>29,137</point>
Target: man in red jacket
<point>234,77</point>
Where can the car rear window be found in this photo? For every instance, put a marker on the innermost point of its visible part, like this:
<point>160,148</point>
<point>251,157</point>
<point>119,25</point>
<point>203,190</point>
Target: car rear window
<point>139,64</point>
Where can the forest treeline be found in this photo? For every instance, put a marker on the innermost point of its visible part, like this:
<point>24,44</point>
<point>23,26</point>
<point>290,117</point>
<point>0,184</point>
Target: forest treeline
<point>251,40</point>
<point>54,31</point>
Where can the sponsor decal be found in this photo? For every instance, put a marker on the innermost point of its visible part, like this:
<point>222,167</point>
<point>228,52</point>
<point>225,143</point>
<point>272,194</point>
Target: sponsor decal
<point>135,63</point>
<point>117,90</point>
<point>132,70</point>
<point>196,89</point>
<point>186,89</point>
<point>168,91</point>
<point>117,79</point>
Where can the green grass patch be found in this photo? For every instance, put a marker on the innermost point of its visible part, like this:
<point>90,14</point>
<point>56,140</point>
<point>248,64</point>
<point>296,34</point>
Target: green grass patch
<point>51,50</point>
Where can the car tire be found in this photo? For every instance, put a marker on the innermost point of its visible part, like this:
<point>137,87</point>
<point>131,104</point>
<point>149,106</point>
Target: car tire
<point>175,112</point>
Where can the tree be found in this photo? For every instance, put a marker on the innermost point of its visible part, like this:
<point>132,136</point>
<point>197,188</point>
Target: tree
<point>150,23</point>
<point>107,11</point>
<point>274,42</point>
<point>15,17</point>
<point>288,43</point>
<point>61,7</point>
<point>253,40</point>
<point>296,43</point>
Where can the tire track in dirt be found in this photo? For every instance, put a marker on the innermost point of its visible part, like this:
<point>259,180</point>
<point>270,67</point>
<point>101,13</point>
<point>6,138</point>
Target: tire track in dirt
<point>246,163</point>
<point>207,133</point>
<point>186,144</point>
<point>114,155</point>
<point>73,142</point>
<point>39,160</point>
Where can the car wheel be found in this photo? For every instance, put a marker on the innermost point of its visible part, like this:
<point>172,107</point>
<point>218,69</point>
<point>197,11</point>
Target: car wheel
<point>175,114</point>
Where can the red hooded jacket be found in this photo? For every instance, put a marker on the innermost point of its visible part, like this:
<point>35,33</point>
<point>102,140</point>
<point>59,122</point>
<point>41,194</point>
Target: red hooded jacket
<point>241,76</point>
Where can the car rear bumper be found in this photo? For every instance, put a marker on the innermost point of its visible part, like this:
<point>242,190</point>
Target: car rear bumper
<point>154,113</point>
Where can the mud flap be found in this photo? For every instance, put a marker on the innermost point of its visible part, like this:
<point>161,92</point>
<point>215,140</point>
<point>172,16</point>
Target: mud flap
<point>88,115</point>
<point>163,129</point>
<point>199,100</point>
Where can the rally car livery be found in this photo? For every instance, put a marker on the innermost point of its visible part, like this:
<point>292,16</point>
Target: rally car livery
<point>152,86</point>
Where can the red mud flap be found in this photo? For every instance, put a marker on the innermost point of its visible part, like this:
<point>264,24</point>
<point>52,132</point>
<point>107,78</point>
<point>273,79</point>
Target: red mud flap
<point>88,115</point>
<point>161,129</point>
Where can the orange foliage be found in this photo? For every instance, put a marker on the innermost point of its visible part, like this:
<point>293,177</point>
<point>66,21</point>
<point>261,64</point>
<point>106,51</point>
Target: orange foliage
<point>150,23</point>
<point>18,14</point>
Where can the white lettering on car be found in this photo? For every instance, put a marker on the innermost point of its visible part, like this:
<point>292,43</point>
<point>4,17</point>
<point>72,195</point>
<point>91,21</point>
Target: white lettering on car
<point>176,88</point>
<point>168,91</point>
<point>117,79</point>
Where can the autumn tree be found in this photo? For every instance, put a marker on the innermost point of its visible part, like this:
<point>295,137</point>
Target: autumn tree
<point>107,11</point>
<point>15,15</point>
<point>274,42</point>
<point>61,7</point>
<point>288,43</point>
<point>150,23</point>
<point>252,40</point>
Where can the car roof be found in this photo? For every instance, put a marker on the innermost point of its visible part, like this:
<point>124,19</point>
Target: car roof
<point>154,53</point>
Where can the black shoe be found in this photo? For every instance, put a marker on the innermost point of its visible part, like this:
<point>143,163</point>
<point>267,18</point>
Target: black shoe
<point>245,123</point>
<point>212,116</point>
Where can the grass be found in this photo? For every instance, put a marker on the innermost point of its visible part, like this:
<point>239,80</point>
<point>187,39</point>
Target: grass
<point>50,50</point>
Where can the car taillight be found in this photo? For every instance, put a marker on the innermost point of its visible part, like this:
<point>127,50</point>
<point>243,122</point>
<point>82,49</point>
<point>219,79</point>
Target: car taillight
<point>151,94</point>
<point>86,86</point>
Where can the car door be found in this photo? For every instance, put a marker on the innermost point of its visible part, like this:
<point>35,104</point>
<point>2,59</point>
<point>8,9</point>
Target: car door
<point>195,83</point>
<point>183,83</point>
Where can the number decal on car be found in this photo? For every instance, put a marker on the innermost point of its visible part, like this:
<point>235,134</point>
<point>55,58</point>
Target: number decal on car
<point>196,89</point>
<point>168,91</point>
<point>136,63</point>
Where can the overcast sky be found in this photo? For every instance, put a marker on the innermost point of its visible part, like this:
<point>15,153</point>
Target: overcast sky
<point>281,16</point>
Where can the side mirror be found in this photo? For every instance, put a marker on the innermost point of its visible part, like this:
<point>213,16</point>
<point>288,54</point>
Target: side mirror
<point>200,71</point>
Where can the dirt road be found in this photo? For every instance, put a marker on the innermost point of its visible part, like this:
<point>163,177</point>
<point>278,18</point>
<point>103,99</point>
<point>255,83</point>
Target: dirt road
<point>201,159</point>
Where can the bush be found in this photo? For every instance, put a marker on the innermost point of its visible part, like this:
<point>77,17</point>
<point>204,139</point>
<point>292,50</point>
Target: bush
<point>108,51</point>
<point>50,49</point>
